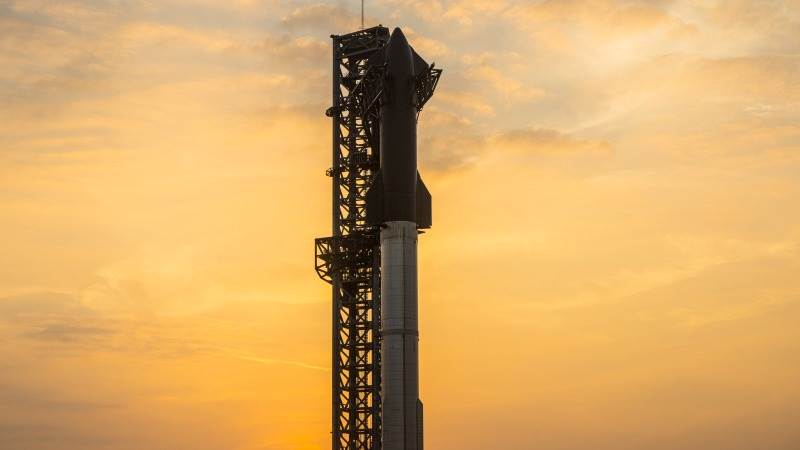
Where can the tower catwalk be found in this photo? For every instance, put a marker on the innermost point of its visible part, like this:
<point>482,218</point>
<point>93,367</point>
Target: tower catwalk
<point>350,260</point>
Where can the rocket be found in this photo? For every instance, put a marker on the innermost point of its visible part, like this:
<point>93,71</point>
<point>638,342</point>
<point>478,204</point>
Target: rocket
<point>400,204</point>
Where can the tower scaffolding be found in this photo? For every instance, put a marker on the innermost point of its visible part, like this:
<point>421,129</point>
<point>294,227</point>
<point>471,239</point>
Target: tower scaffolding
<point>350,259</point>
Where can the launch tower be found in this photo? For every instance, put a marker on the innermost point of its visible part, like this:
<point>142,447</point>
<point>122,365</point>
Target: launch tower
<point>350,260</point>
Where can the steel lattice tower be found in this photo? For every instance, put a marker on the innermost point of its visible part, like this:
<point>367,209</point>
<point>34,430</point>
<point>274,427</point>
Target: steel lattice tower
<point>350,259</point>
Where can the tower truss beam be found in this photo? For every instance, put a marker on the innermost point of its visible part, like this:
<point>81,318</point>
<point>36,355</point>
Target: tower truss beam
<point>350,259</point>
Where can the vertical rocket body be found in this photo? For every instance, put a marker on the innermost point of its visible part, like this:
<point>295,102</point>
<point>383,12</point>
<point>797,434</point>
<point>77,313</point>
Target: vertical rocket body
<point>398,132</point>
<point>400,203</point>
<point>400,336</point>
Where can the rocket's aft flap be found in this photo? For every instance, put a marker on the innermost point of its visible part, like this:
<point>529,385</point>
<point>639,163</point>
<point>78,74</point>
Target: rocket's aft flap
<point>375,201</point>
<point>420,65</point>
<point>424,213</point>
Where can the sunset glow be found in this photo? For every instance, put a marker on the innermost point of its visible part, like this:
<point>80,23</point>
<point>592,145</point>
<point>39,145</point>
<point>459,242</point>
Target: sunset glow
<point>614,262</point>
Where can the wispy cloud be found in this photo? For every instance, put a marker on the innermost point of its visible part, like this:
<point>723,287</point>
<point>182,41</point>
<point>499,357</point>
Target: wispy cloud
<point>270,361</point>
<point>613,180</point>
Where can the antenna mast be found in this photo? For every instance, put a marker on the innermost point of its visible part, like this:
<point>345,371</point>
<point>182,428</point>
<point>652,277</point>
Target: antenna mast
<point>362,14</point>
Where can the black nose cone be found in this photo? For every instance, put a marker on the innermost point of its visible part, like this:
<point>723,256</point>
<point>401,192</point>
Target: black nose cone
<point>399,55</point>
<point>397,37</point>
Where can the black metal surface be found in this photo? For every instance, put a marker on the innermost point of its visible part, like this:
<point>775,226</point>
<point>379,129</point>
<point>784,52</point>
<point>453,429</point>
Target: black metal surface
<point>408,83</point>
<point>398,133</point>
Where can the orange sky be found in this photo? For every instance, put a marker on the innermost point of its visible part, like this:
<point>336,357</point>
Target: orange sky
<point>614,262</point>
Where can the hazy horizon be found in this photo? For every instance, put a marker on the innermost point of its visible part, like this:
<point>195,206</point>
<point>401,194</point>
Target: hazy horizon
<point>614,261</point>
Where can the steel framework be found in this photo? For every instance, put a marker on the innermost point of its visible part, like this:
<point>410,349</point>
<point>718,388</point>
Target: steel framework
<point>350,259</point>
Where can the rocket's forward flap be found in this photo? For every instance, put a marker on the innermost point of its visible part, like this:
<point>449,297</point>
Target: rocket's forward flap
<point>374,199</point>
<point>424,213</point>
<point>420,65</point>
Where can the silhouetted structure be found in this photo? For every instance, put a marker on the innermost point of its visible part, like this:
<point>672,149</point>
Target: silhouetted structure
<point>365,89</point>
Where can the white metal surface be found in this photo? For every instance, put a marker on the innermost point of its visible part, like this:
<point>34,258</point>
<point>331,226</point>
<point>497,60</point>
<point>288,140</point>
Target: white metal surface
<point>400,336</point>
